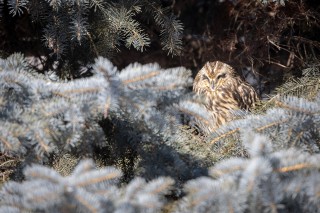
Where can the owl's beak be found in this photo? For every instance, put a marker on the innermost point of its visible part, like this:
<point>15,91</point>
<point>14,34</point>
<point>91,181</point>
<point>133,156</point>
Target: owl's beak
<point>212,85</point>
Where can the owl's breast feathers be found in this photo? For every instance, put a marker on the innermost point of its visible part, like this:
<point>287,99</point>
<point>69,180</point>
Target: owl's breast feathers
<point>227,98</point>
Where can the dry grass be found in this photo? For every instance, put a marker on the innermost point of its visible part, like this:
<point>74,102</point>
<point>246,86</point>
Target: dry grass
<point>7,166</point>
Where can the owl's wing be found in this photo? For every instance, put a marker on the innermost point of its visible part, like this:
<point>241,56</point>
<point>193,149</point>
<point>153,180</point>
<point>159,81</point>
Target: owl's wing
<point>248,96</point>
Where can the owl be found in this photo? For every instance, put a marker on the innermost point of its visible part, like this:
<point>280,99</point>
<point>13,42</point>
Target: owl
<point>224,91</point>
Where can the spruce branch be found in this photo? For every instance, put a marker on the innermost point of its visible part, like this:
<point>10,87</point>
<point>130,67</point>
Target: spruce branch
<point>97,4</point>
<point>106,24</point>
<point>46,115</point>
<point>121,19</point>
<point>57,117</point>
<point>292,123</point>
<point>78,28</point>
<point>306,86</point>
<point>281,2</point>
<point>17,7</point>
<point>55,4</point>
<point>170,27</point>
<point>257,183</point>
<point>87,189</point>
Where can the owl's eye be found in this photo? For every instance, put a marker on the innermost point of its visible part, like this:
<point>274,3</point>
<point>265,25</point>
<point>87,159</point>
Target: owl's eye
<point>205,78</point>
<point>223,75</point>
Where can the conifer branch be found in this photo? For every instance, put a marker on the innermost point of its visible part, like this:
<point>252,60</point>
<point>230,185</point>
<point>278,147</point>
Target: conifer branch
<point>295,167</point>
<point>256,183</point>
<point>285,123</point>
<point>224,135</point>
<point>86,190</point>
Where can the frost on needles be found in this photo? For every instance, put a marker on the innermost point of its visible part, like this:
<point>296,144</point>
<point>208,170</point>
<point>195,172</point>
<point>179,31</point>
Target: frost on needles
<point>293,122</point>
<point>266,181</point>
<point>275,166</point>
<point>87,189</point>
<point>40,116</point>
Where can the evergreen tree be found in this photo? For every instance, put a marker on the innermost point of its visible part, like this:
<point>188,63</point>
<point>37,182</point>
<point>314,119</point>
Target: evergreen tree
<point>136,139</point>
<point>76,32</point>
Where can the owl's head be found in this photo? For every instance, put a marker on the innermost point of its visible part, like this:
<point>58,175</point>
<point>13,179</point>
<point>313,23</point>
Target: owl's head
<point>214,75</point>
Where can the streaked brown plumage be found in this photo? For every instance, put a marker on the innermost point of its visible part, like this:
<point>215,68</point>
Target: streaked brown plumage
<point>224,90</point>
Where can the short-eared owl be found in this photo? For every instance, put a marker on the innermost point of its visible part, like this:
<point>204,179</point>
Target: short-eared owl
<point>224,90</point>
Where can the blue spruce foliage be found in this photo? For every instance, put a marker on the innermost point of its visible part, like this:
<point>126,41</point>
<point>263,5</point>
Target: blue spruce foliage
<point>273,165</point>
